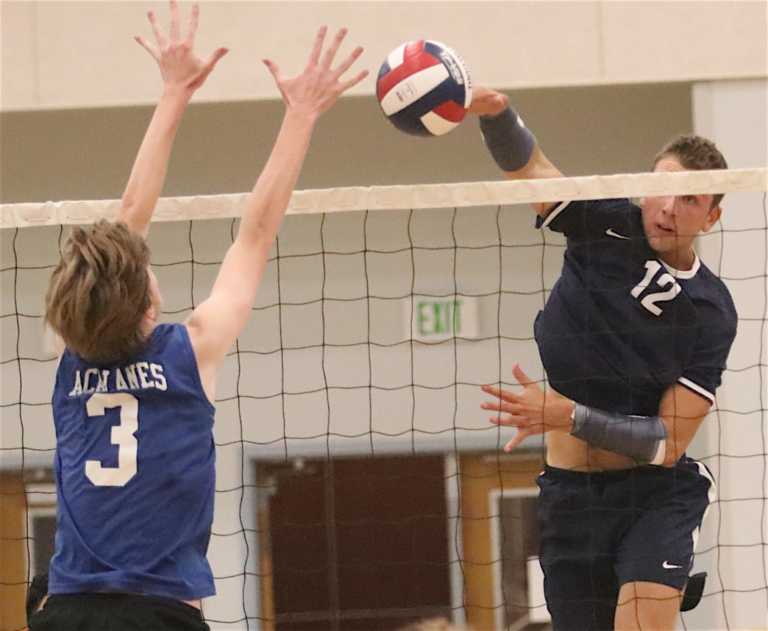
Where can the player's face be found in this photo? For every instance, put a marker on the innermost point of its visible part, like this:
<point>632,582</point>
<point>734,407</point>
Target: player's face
<point>672,222</point>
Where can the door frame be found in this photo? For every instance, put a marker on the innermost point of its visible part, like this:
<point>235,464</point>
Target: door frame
<point>13,552</point>
<point>483,478</point>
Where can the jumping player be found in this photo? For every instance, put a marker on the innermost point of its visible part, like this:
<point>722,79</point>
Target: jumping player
<point>634,339</point>
<point>133,398</point>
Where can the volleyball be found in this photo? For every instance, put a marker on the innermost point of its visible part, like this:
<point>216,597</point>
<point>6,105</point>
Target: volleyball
<point>424,88</point>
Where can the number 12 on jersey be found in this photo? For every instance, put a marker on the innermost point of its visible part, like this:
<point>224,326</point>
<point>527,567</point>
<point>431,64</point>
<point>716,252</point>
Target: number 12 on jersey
<point>650,300</point>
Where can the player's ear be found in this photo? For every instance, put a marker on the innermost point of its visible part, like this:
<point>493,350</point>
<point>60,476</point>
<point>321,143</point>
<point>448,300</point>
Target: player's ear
<point>712,218</point>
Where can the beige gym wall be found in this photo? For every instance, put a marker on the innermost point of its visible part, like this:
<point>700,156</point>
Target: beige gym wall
<point>87,154</point>
<point>81,54</point>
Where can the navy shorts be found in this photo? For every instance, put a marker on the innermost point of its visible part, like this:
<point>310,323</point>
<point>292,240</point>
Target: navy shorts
<point>601,530</point>
<point>116,612</point>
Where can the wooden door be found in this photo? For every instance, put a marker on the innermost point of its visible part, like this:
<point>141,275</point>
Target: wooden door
<point>354,544</point>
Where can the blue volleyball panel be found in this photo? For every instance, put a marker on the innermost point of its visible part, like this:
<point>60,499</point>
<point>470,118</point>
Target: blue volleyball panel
<point>409,123</point>
<point>384,69</point>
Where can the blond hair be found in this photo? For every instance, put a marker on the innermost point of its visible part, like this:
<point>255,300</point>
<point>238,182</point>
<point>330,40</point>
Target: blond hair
<point>99,293</point>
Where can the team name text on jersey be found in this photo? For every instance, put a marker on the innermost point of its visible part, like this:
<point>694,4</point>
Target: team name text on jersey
<point>131,377</point>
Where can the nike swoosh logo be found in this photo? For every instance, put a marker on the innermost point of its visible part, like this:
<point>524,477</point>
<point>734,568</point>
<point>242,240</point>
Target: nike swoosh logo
<point>611,233</point>
<point>668,566</point>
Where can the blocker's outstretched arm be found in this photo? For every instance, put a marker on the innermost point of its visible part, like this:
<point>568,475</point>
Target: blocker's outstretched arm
<point>217,322</point>
<point>183,73</point>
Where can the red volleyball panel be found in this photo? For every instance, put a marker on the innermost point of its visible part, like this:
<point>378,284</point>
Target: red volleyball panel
<point>415,59</point>
<point>450,110</point>
<point>413,49</point>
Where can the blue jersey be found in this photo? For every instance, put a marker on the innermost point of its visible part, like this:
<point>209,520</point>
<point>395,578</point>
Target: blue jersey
<point>620,326</point>
<point>135,473</point>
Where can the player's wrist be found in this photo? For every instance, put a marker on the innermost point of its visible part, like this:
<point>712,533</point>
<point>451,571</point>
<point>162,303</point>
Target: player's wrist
<point>571,410</point>
<point>301,116</point>
<point>564,414</point>
<point>177,93</point>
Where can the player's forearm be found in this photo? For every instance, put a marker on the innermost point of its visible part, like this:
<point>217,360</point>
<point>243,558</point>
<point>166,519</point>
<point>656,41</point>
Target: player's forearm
<point>538,167</point>
<point>680,433</point>
<point>149,169</point>
<point>674,447</point>
<point>271,194</point>
<point>682,412</point>
<point>515,150</point>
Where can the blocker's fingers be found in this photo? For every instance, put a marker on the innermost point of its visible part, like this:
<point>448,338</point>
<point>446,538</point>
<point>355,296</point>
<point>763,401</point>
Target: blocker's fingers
<point>159,37</point>
<point>331,52</point>
<point>194,18</point>
<point>214,58</point>
<point>174,30</point>
<point>148,47</point>
<point>273,69</point>
<point>345,65</point>
<point>314,56</point>
<point>354,80</point>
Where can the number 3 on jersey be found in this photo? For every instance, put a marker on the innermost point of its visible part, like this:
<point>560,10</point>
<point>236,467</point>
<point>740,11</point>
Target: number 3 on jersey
<point>122,436</point>
<point>664,280</point>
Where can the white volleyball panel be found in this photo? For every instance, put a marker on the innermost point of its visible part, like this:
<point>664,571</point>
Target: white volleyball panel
<point>395,58</point>
<point>436,124</point>
<point>413,88</point>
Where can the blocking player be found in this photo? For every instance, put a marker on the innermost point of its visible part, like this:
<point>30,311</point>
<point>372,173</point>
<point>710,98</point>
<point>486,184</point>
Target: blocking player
<point>133,398</point>
<point>634,339</point>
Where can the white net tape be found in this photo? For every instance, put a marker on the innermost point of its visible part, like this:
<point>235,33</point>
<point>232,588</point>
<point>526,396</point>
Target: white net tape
<point>420,196</point>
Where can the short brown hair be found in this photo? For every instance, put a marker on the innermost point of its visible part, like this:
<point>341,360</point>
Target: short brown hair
<point>100,292</point>
<point>695,153</point>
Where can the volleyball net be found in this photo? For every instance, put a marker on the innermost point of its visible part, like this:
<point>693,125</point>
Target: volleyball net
<point>359,484</point>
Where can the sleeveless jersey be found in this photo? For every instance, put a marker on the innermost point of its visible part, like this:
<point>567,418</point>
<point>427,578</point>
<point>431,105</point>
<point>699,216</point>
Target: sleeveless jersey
<point>620,326</point>
<point>135,473</point>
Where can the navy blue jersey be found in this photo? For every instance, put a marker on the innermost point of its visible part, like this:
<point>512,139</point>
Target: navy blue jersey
<point>135,473</point>
<point>620,325</point>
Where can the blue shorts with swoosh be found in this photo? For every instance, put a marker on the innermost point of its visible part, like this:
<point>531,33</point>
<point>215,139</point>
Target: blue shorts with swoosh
<point>601,530</point>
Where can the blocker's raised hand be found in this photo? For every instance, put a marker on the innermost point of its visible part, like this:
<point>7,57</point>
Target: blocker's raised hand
<point>319,86</point>
<point>179,65</point>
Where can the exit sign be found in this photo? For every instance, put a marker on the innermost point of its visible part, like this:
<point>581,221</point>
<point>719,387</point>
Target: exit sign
<point>436,319</point>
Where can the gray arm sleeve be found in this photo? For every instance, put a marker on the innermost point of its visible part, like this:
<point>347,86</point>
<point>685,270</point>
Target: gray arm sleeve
<point>642,438</point>
<point>508,139</point>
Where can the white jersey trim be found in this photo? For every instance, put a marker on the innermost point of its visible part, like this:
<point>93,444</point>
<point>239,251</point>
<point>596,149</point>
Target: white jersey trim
<point>697,388</point>
<point>684,274</point>
<point>554,213</point>
<point>711,498</point>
